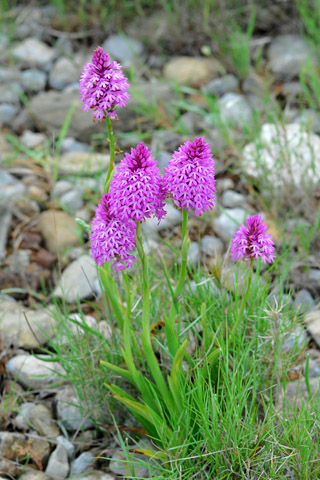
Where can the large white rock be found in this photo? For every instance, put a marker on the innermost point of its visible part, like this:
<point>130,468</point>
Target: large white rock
<point>77,279</point>
<point>284,155</point>
<point>22,327</point>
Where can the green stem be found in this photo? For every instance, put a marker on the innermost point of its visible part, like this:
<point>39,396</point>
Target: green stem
<point>242,306</point>
<point>172,337</point>
<point>112,155</point>
<point>146,336</point>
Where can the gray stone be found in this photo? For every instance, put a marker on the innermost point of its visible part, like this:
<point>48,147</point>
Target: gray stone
<point>37,417</point>
<point>298,338</point>
<point>77,330</point>
<point>72,200</point>
<point>21,421</point>
<point>34,475</point>
<point>11,443</point>
<point>231,199</point>
<point>285,155</point>
<point>163,158</point>
<point>312,322</point>
<point>303,301</point>
<point>292,89</point>
<point>224,184</point>
<point>36,373</point>
<point>81,162</point>
<point>69,144</point>
<point>77,280</point>
<point>226,224</point>
<point>32,139</point>
<point>287,55</point>
<point>63,73</point>
<point>9,75</point>
<point>191,122</point>
<point>23,327</point>
<point>314,275</point>
<point>192,71</point>
<point>18,263</point>
<point>58,464</point>
<point>193,255</point>
<point>4,41</point>
<point>9,93</point>
<point>253,84</point>
<point>84,463</point>
<point>33,80</point>
<point>296,392</point>
<point>172,218</point>
<point>96,475</point>
<point>211,246</point>
<point>7,113</point>
<point>68,411</point>
<point>314,363</point>
<point>309,119</point>
<point>125,49</point>
<point>220,86</point>
<point>31,52</point>
<point>41,420</point>
<point>59,230</point>
<point>5,222</point>
<point>48,111</point>
<point>10,190</point>
<point>118,464</point>
<point>235,109</point>
<point>70,448</point>
<point>155,91</point>
<point>60,188</point>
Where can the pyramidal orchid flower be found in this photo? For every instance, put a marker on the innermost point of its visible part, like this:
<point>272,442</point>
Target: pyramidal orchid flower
<point>112,238</point>
<point>136,189</point>
<point>103,86</point>
<point>189,177</point>
<point>251,242</point>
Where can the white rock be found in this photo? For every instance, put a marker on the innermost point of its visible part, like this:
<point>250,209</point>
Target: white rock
<point>285,156</point>
<point>34,53</point>
<point>172,218</point>
<point>58,464</point>
<point>77,279</point>
<point>34,372</point>
<point>22,327</point>
<point>229,221</point>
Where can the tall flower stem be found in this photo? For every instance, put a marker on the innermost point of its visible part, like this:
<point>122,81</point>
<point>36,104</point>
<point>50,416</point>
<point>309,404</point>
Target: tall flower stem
<point>146,336</point>
<point>112,155</point>
<point>172,338</point>
<point>243,304</point>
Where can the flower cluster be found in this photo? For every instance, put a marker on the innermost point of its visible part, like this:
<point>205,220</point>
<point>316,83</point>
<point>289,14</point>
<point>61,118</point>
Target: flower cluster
<point>189,177</point>
<point>111,237</point>
<point>136,188</point>
<point>250,241</point>
<point>103,86</point>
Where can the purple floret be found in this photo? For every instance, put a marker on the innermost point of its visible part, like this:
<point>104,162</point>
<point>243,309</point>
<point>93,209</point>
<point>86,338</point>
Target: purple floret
<point>112,238</point>
<point>103,86</point>
<point>251,241</point>
<point>189,177</point>
<point>136,189</point>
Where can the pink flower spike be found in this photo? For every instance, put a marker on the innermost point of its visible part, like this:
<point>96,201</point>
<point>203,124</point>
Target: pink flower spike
<point>103,86</point>
<point>189,177</point>
<point>111,237</point>
<point>251,241</point>
<point>136,189</point>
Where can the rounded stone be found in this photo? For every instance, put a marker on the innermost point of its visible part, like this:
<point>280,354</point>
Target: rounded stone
<point>33,80</point>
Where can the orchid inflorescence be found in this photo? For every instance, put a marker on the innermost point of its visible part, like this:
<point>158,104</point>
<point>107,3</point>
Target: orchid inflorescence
<point>137,190</point>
